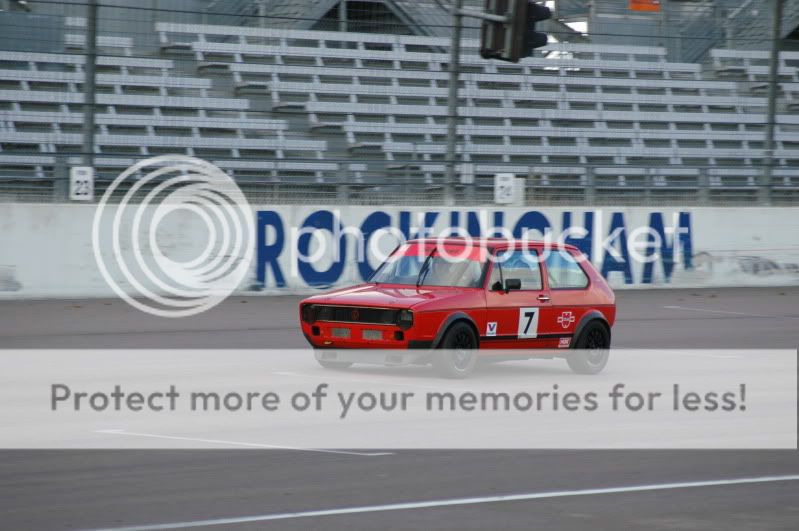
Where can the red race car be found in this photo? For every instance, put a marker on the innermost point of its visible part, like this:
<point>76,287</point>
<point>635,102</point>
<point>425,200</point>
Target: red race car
<point>440,299</point>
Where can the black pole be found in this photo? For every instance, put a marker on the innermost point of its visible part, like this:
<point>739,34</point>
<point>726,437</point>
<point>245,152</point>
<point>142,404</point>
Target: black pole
<point>89,84</point>
<point>773,82</point>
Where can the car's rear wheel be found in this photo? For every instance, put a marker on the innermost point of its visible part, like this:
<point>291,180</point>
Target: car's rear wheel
<point>458,355</point>
<point>335,365</point>
<point>592,349</point>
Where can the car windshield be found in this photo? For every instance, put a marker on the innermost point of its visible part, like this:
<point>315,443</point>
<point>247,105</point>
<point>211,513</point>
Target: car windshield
<point>429,265</point>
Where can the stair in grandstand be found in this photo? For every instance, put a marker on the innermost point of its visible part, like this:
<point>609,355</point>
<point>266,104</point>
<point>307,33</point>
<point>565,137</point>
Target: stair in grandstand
<point>315,111</point>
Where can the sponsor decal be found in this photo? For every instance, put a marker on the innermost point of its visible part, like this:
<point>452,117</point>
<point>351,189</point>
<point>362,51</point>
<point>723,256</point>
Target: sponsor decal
<point>491,329</point>
<point>566,319</point>
<point>564,342</point>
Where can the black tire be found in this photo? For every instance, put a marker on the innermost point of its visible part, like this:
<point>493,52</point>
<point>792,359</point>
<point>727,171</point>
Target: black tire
<point>458,356</point>
<point>592,349</point>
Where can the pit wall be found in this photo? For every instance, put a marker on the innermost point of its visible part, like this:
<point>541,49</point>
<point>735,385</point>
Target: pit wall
<point>46,250</point>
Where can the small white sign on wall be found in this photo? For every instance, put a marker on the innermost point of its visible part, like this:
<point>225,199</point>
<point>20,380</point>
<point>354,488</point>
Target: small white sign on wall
<point>81,183</point>
<point>504,188</point>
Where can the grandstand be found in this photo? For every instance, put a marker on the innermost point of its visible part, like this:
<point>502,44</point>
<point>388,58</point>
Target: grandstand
<point>301,114</point>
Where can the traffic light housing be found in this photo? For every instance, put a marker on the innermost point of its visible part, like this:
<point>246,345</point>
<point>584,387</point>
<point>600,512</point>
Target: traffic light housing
<point>516,37</point>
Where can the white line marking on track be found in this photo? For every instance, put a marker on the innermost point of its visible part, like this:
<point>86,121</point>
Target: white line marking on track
<point>713,356</point>
<point>731,313</point>
<point>457,501</point>
<point>237,443</point>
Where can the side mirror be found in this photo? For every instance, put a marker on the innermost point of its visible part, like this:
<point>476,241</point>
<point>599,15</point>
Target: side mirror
<point>497,286</point>
<point>513,283</point>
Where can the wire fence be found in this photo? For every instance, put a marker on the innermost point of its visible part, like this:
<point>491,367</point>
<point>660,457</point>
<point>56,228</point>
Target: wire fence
<point>407,186</point>
<point>335,117</point>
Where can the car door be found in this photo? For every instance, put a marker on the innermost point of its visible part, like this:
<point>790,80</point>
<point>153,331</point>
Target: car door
<point>568,288</point>
<point>517,318</point>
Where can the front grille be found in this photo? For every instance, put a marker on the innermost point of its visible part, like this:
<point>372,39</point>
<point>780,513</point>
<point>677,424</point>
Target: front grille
<point>356,314</point>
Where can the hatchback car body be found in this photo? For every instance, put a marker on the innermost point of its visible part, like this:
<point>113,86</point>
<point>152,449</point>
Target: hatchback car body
<point>438,299</point>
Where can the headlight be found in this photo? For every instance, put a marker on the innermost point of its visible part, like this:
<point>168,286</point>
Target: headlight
<point>405,319</point>
<point>388,317</point>
<point>308,313</point>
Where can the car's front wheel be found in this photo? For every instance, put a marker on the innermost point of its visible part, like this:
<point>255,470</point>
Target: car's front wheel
<point>592,349</point>
<point>458,355</point>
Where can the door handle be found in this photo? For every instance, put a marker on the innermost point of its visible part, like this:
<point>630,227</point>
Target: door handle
<point>543,297</point>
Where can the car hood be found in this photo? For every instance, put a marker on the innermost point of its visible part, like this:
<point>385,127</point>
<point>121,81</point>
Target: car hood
<point>384,296</point>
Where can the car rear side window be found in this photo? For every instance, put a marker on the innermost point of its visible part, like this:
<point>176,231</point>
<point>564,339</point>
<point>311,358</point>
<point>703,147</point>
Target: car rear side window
<point>523,265</point>
<point>564,272</point>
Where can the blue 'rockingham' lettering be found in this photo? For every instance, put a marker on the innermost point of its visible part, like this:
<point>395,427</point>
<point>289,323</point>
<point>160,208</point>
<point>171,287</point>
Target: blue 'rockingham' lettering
<point>617,252</point>
<point>681,234</point>
<point>266,256</point>
<point>373,222</point>
<point>584,243</point>
<point>583,229</point>
<point>321,220</point>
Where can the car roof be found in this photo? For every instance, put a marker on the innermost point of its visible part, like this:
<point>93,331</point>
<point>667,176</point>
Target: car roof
<point>495,243</point>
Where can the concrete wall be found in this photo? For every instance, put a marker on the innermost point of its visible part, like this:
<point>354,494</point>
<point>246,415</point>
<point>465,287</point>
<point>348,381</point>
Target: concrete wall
<point>46,250</point>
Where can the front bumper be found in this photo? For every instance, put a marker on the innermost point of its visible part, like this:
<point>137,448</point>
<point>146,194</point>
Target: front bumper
<point>327,334</point>
<point>388,358</point>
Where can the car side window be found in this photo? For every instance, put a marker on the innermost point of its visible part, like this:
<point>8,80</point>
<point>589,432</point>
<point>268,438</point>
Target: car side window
<point>564,272</point>
<point>522,265</point>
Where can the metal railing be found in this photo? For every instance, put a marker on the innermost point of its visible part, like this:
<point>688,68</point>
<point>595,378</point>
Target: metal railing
<point>380,181</point>
<point>390,183</point>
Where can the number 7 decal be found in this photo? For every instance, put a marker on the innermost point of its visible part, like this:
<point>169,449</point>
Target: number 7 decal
<point>528,323</point>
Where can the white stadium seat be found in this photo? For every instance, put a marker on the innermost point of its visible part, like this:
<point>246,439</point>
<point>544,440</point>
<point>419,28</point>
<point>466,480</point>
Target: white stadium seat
<point>623,118</point>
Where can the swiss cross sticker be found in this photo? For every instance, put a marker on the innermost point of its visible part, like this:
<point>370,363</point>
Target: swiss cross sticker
<point>566,319</point>
<point>491,329</point>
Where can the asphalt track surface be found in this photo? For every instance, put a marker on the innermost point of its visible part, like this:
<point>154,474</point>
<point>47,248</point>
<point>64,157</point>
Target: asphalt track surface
<point>685,489</point>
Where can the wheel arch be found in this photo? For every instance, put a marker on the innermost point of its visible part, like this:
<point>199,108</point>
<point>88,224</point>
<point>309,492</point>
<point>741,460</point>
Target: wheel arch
<point>451,320</point>
<point>593,315</point>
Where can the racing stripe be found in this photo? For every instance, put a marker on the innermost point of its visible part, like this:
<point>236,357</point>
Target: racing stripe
<point>515,336</point>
